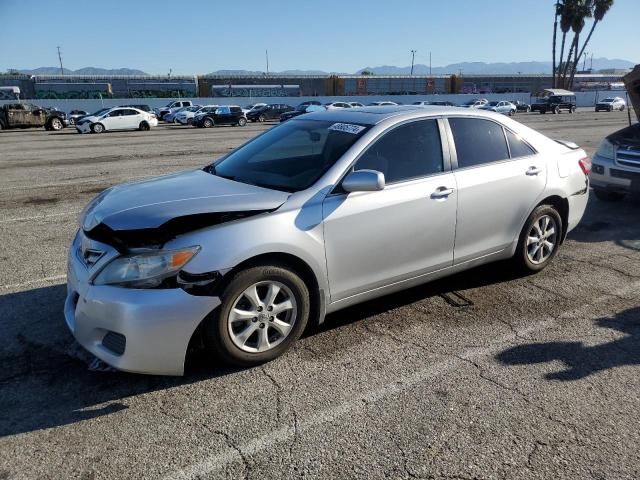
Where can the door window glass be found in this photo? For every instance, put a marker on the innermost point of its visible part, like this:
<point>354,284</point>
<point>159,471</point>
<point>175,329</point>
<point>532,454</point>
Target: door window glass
<point>478,141</point>
<point>409,151</point>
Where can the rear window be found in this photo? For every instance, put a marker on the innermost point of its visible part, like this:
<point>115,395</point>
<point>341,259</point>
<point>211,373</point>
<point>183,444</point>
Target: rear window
<point>478,141</point>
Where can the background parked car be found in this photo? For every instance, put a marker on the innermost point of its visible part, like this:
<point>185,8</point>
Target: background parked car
<point>334,105</point>
<point>186,115</point>
<point>610,104</point>
<point>504,107</point>
<point>74,115</point>
<point>171,106</point>
<point>25,115</point>
<point>252,107</point>
<point>141,106</point>
<point>385,103</point>
<point>300,110</point>
<point>475,103</point>
<point>268,112</point>
<point>356,104</point>
<point>200,114</point>
<point>521,106</point>
<point>171,116</point>
<point>119,118</point>
<point>556,101</point>
<point>223,115</point>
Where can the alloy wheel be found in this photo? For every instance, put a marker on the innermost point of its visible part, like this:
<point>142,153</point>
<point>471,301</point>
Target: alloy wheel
<point>262,316</point>
<point>542,239</point>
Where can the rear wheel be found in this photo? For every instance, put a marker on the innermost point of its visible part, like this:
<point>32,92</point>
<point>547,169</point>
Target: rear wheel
<point>56,124</point>
<point>144,127</point>
<point>1,126</point>
<point>607,196</point>
<point>556,110</point>
<point>97,128</point>
<point>539,240</point>
<point>622,108</point>
<point>264,311</point>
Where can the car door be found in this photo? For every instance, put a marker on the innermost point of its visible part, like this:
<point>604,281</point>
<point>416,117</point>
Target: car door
<point>114,120</point>
<point>373,239</point>
<point>499,178</point>
<point>132,118</point>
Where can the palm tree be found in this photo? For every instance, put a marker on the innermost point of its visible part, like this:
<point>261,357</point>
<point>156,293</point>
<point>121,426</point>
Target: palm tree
<point>567,10</point>
<point>555,35</point>
<point>579,10</point>
<point>600,8</point>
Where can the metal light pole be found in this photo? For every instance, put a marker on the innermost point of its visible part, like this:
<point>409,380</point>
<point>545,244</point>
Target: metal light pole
<point>413,56</point>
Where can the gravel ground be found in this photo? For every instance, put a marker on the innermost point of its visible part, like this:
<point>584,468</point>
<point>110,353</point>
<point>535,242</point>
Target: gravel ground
<point>484,375</point>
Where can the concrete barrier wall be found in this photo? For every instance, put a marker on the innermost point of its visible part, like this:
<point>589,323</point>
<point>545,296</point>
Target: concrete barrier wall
<point>583,99</point>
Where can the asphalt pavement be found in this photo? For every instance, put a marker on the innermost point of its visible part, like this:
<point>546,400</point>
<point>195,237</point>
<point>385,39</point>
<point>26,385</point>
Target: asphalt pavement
<point>484,375</point>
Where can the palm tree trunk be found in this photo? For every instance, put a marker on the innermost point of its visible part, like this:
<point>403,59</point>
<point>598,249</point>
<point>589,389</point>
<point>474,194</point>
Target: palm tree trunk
<point>555,34</point>
<point>565,70</point>
<point>557,75</point>
<point>576,61</point>
<point>593,27</point>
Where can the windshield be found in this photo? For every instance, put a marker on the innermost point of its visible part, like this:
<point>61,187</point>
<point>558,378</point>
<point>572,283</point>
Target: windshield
<point>102,111</point>
<point>609,100</point>
<point>492,104</point>
<point>291,156</point>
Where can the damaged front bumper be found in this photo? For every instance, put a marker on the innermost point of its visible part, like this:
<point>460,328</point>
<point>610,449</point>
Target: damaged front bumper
<point>134,330</point>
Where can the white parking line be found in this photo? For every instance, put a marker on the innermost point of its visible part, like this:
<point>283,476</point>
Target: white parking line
<point>219,461</point>
<point>39,217</point>
<point>54,278</point>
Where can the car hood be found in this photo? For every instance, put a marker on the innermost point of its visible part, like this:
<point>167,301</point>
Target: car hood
<point>150,204</point>
<point>628,137</point>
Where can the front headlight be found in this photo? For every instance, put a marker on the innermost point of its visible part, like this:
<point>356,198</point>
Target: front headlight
<point>606,149</point>
<point>145,270</point>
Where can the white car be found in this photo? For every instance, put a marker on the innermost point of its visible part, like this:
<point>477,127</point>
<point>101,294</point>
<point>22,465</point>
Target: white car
<point>385,103</point>
<point>421,103</point>
<point>610,104</point>
<point>504,107</point>
<point>355,104</point>
<point>118,118</point>
<point>185,117</point>
<point>336,105</point>
<point>252,107</point>
<point>475,103</point>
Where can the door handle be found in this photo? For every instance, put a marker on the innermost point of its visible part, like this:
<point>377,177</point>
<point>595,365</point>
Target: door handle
<point>442,192</point>
<point>533,170</point>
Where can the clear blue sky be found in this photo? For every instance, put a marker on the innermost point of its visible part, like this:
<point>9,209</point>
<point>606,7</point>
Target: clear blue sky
<point>200,36</point>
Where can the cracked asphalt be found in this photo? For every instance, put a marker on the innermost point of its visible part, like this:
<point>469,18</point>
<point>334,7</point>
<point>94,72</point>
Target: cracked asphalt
<point>484,375</point>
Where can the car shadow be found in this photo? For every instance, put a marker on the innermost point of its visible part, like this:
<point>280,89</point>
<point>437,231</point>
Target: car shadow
<point>45,380</point>
<point>610,221</point>
<point>581,360</point>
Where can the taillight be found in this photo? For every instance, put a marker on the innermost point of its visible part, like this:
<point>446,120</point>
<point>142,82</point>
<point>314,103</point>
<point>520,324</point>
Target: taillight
<point>585,165</point>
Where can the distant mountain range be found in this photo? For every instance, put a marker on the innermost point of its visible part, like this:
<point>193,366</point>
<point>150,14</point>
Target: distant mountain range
<point>83,71</point>
<point>478,68</point>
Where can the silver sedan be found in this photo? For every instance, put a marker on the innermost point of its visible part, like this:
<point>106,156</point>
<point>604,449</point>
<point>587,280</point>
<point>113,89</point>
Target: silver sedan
<point>322,212</point>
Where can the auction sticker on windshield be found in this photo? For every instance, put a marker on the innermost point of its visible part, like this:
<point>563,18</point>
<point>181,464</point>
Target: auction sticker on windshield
<point>347,128</point>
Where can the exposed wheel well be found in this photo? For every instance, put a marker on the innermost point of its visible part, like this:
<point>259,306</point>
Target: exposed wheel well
<point>562,206</point>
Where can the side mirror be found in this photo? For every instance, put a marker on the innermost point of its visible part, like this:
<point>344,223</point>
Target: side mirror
<point>363,181</point>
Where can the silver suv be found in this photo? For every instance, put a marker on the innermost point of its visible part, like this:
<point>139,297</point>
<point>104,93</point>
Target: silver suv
<point>616,165</point>
<point>319,213</point>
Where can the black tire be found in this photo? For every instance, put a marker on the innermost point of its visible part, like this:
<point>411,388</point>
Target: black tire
<point>261,118</point>
<point>97,128</point>
<point>1,125</point>
<point>607,196</point>
<point>55,124</point>
<point>144,127</point>
<point>216,331</point>
<point>242,122</point>
<point>521,257</point>
<point>622,108</point>
<point>572,110</point>
<point>556,110</point>
<point>528,109</point>
<point>207,123</point>
<point>542,112</point>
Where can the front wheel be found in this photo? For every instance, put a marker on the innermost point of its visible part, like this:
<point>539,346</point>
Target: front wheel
<point>539,240</point>
<point>556,110</point>
<point>207,123</point>
<point>261,118</point>
<point>97,128</point>
<point>242,122</point>
<point>264,311</point>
